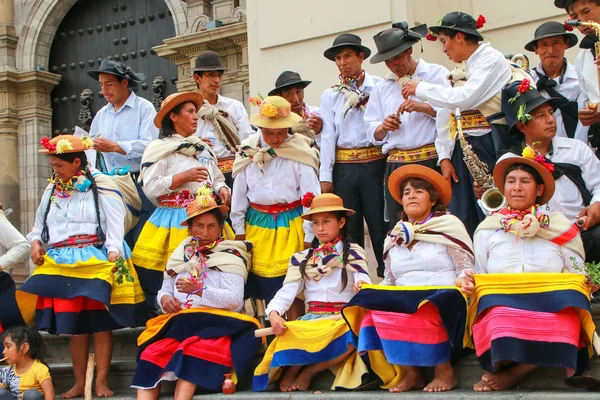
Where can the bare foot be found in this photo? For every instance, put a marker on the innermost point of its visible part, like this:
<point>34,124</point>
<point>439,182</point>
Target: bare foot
<point>444,379</point>
<point>75,391</point>
<point>303,380</point>
<point>507,378</point>
<point>482,386</point>
<point>289,376</point>
<point>102,390</point>
<point>413,379</point>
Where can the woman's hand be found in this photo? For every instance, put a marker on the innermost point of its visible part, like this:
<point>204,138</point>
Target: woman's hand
<point>358,285</point>
<point>113,256</point>
<point>466,283</point>
<point>277,323</point>
<point>592,286</point>
<point>196,174</point>
<point>37,252</point>
<point>184,285</point>
<point>170,304</point>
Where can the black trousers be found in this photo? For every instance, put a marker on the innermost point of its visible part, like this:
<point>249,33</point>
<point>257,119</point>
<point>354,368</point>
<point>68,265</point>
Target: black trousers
<point>392,207</point>
<point>361,188</point>
<point>591,243</point>
<point>464,202</point>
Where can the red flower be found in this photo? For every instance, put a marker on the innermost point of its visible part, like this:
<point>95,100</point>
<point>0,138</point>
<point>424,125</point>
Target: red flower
<point>307,199</point>
<point>568,28</point>
<point>430,37</point>
<point>480,22</point>
<point>543,161</point>
<point>524,86</point>
<point>45,142</point>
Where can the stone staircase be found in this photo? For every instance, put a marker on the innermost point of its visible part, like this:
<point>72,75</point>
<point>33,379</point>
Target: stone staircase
<point>544,383</point>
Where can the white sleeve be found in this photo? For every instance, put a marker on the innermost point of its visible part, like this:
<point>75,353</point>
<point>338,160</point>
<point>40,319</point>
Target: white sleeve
<point>217,178</point>
<point>590,171</point>
<point>480,247</point>
<point>228,296</point>
<point>285,297</point>
<point>444,144</point>
<point>359,276</point>
<point>38,225</point>
<point>570,258</point>
<point>17,247</point>
<point>157,183</point>
<point>114,210</point>
<point>463,261</point>
<point>374,117</point>
<point>308,183</point>
<point>581,77</point>
<point>147,133</point>
<point>167,288</point>
<point>241,121</point>
<point>328,138</point>
<point>239,204</point>
<point>388,277</point>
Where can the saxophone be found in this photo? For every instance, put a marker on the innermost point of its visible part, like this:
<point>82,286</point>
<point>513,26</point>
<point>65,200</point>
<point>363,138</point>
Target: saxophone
<point>492,200</point>
<point>596,27</point>
<point>520,57</point>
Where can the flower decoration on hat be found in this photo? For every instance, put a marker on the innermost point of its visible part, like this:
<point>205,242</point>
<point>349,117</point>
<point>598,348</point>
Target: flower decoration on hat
<point>63,145</point>
<point>432,37</point>
<point>47,144</point>
<point>205,197</point>
<point>480,22</point>
<point>256,100</point>
<point>87,142</point>
<point>307,199</point>
<point>568,28</point>
<point>524,87</point>
<point>531,153</point>
<point>268,110</point>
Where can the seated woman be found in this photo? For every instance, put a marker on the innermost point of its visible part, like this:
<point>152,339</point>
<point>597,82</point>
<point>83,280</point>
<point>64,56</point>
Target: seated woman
<point>73,290</point>
<point>203,336</point>
<point>514,317</point>
<point>315,342</point>
<point>173,168</point>
<point>428,257</point>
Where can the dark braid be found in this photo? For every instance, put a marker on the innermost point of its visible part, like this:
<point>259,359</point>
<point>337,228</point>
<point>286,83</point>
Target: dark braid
<point>99,232</point>
<point>45,233</point>
<point>314,244</point>
<point>347,241</point>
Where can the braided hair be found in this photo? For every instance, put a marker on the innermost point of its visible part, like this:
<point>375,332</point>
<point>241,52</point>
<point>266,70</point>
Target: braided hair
<point>70,158</point>
<point>346,241</point>
<point>21,334</point>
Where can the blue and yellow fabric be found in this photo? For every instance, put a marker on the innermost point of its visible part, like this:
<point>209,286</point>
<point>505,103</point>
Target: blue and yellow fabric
<point>199,345</point>
<point>541,319</point>
<point>310,342</point>
<point>404,325</point>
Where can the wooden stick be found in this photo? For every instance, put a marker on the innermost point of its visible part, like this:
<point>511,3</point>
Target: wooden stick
<point>4,359</point>
<point>89,376</point>
<point>269,331</point>
<point>596,343</point>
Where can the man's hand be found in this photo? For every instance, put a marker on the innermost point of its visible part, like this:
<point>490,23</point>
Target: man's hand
<point>277,323</point>
<point>448,171</point>
<point>416,106</point>
<point>409,89</point>
<point>315,123</point>
<point>326,187</point>
<point>107,146</point>
<point>208,142</point>
<point>358,286</point>
<point>478,191</point>
<point>587,116</point>
<point>466,283</point>
<point>184,285</point>
<point>225,195</point>
<point>307,245</point>
<point>592,212</point>
<point>37,252</point>
<point>390,123</point>
<point>240,237</point>
<point>170,304</point>
<point>196,174</point>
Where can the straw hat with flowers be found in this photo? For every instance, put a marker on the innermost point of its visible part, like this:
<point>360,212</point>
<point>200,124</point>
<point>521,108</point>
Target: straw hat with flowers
<point>203,203</point>
<point>66,144</point>
<point>326,202</point>
<point>275,112</point>
<point>175,99</point>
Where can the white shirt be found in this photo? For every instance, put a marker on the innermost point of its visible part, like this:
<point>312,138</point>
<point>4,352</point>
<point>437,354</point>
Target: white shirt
<point>77,216</point>
<point>159,176</point>
<point>132,127</point>
<point>571,89</point>
<point>327,289</point>
<point>14,248</point>
<point>567,198</point>
<point>315,110</point>
<point>499,252</point>
<point>336,132</point>
<point>283,181</point>
<point>426,264</point>
<point>587,72</point>
<point>237,115</point>
<point>224,290</point>
<point>416,129</point>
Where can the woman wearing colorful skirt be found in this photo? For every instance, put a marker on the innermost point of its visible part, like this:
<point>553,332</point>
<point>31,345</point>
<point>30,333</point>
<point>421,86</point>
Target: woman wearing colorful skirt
<point>325,275</point>
<point>74,290</point>
<point>417,315</point>
<point>173,168</point>
<point>524,312</point>
<point>271,172</point>
<point>202,336</point>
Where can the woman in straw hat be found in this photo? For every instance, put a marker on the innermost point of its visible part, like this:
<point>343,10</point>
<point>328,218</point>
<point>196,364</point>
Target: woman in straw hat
<point>203,336</point>
<point>73,290</point>
<point>173,168</point>
<point>272,170</point>
<point>522,299</point>
<point>418,313</point>
<point>325,274</point>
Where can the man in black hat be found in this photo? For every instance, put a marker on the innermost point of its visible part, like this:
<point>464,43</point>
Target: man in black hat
<point>223,122</point>
<point>556,77</point>
<point>351,166</point>
<point>576,167</point>
<point>125,127</point>
<point>477,83</point>
<point>290,86</point>
<point>406,128</point>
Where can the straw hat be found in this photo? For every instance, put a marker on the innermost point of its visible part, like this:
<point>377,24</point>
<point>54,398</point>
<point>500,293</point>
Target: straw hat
<point>65,144</point>
<point>427,174</point>
<point>175,99</point>
<point>503,165</point>
<point>203,203</point>
<point>326,202</point>
<point>275,112</point>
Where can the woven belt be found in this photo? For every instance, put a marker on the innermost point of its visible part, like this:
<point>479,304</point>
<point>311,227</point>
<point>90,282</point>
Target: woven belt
<point>424,153</point>
<point>226,164</point>
<point>176,199</point>
<point>276,208</point>
<point>358,155</point>
<point>79,241</point>
<point>318,307</point>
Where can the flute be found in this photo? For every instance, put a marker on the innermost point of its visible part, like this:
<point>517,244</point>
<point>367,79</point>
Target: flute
<point>4,359</point>
<point>595,26</point>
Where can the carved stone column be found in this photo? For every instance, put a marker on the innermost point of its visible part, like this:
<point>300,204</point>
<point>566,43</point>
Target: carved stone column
<point>8,36</point>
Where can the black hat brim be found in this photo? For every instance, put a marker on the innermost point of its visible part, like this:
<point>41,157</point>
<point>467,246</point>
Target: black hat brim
<point>278,89</point>
<point>95,75</point>
<point>472,32</point>
<point>570,36</point>
<point>331,52</point>
<point>532,105</point>
<point>386,55</point>
<point>209,69</point>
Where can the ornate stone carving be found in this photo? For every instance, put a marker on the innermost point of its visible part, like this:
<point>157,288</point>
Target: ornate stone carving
<point>239,14</point>
<point>198,24</point>
<point>85,113</point>
<point>159,85</point>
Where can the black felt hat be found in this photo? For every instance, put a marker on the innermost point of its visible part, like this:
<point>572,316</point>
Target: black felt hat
<point>343,41</point>
<point>531,98</point>
<point>118,69</point>
<point>288,78</point>
<point>395,40</point>
<point>458,21</point>
<point>563,3</point>
<point>550,29</point>
<point>208,61</point>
